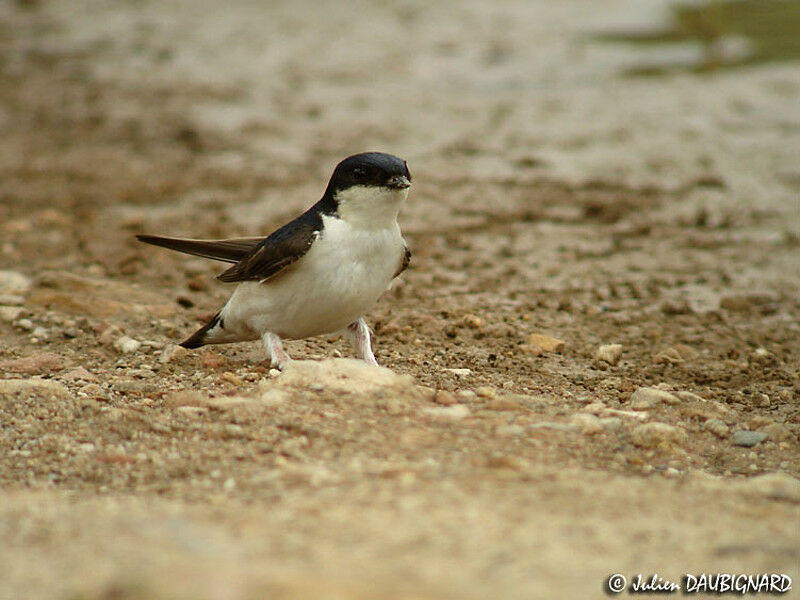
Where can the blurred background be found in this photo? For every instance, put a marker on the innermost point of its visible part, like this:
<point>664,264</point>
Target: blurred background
<point>600,171</point>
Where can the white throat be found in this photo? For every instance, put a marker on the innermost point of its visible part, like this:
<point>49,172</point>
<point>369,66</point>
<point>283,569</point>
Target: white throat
<point>370,207</point>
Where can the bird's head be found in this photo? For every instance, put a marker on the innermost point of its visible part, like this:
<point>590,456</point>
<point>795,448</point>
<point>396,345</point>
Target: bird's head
<point>369,188</point>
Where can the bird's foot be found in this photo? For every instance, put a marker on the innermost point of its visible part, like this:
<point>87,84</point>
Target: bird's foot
<point>358,332</point>
<point>278,358</point>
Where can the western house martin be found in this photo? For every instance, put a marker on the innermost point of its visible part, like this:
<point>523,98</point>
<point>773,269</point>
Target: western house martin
<point>319,273</point>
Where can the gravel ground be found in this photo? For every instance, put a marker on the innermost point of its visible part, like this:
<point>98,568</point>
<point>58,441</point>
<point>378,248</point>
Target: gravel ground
<point>593,362</point>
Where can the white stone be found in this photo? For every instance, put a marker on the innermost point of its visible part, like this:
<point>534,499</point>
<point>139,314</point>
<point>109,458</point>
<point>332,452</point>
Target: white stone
<point>10,313</point>
<point>648,397</point>
<point>460,372</point>
<point>25,324</point>
<point>609,353</point>
<point>12,282</point>
<point>654,435</point>
<point>717,427</point>
<point>126,345</point>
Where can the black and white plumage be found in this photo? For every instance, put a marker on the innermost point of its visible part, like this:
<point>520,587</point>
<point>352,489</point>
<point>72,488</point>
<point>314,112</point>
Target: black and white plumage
<point>319,273</point>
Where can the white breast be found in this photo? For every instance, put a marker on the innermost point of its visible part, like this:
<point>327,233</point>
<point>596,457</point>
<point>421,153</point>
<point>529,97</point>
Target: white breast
<point>342,275</point>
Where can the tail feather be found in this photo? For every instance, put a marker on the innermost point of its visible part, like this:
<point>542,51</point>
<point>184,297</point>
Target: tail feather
<point>232,250</point>
<point>198,338</point>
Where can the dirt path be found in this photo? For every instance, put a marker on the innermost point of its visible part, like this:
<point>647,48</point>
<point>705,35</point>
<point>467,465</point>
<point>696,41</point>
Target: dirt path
<point>552,196</point>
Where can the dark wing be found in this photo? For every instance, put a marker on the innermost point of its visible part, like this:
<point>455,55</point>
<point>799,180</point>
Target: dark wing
<point>406,261</point>
<point>282,248</point>
<point>232,250</point>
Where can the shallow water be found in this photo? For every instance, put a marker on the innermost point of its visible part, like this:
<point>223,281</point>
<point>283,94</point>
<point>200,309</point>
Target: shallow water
<point>716,35</point>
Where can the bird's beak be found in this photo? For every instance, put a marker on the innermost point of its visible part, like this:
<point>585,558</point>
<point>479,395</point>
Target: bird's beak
<point>398,182</point>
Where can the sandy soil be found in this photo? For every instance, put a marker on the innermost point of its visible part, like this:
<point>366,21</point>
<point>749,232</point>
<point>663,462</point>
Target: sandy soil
<point>552,196</point>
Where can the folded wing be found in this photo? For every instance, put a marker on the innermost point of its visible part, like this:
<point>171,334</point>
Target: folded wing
<point>256,259</point>
<point>281,249</point>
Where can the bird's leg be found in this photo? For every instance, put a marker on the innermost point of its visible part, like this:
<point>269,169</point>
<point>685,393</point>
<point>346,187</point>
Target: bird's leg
<point>274,348</point>
<point>358,332</point>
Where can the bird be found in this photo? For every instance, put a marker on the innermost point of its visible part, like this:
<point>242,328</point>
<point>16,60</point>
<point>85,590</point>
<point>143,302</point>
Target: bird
<point>318,274</point>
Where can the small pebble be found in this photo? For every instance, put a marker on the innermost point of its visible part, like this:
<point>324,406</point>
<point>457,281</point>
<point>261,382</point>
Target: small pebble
<point>609,353</point>
<point>126,345</point>
<point>675,354</point>
<point>486,392</point>
<point>758,422</point>
<point>12,282</point>
<point>676,306</point>
<point>144,373</point>
<point>655,435</point>
<point>689,396</point>
<point>466,396</point>
<point>109,335</point>
<point>648,397</point>
<point>460,372</point>
<point>130,386</point>
<point>776,432</point>
<point>213,360</point>
<point>78,374</point>
<point>473,321</point>
<point>503,404</point>
<point>545,343</point>
<point>717,427</point>
<point>92,390</point>
<point>10,313</point>
<point>745,438</point>
<point>231,378</point>
<point>444,398</point>
<point>500,330</point>
<point>25,324</point>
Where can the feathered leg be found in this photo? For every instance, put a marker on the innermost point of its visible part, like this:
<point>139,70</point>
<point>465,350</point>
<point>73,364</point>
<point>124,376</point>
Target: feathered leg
<point>358,332</point>
<point>272,343</point>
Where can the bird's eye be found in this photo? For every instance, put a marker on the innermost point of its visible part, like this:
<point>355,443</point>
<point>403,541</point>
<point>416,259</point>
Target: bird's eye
<point>360,173</point>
